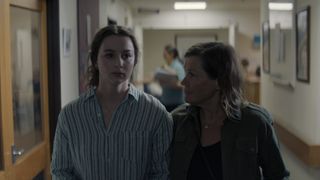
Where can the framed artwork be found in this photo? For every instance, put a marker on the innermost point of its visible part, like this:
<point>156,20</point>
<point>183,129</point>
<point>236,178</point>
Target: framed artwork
<point>303,44</point>
<point>266,47</point>
<point>66,39</point>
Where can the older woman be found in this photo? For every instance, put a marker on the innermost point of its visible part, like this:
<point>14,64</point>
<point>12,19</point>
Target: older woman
<point>219,135</point>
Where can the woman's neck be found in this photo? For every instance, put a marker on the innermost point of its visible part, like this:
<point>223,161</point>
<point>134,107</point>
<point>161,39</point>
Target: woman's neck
<point>212,104</point>
<point>212,113</point>
<point>112,94</point>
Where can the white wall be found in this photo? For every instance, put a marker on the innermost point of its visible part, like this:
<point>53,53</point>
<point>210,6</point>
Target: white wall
<point>138,70</point>
<point>248,21</point>
<point>298,109</point>
<point>69,64</point>
<point>116,10</point>
<point>155,40</point>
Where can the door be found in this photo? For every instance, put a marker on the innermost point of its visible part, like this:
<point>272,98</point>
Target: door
<point>24,137</point>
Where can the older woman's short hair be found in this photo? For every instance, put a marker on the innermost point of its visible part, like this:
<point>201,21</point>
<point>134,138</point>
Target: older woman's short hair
<point>220,63</point>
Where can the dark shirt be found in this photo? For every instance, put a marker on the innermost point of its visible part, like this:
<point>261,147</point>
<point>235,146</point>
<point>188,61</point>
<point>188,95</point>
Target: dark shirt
<point>198,168</point>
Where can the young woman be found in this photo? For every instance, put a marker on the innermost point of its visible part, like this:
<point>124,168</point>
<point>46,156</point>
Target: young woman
<point>113,131</point>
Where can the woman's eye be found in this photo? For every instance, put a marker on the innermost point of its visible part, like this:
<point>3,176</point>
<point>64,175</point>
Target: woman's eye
<point>126,55</point>
<point>108,55</point>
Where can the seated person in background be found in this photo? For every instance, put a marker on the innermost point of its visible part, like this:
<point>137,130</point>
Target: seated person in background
<point>218,135</point>
<point>169,78</point>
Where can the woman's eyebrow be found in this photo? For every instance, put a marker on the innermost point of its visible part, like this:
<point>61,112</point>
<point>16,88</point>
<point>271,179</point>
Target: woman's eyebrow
<point>108,50</point>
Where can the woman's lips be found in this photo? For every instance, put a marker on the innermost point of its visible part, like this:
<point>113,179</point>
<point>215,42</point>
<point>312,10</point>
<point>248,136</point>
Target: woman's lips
<point>119,74</point>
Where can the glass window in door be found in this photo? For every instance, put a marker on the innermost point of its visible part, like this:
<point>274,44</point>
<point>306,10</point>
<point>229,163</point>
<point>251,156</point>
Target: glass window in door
<point>25,53</point>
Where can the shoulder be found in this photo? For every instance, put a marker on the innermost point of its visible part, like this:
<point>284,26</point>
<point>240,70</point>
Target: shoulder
<point>180,113</point>
<point>256,112</point>
<point>74,108</point>
<point>180,110</point>
<point>75,104</point>
<point>149,101</point>
<point>154,108</point>
<point>256,119</point>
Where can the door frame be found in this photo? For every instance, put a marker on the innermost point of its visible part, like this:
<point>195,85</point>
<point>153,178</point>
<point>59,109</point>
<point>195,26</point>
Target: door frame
<point>37,159</point>
<point>54,76</point>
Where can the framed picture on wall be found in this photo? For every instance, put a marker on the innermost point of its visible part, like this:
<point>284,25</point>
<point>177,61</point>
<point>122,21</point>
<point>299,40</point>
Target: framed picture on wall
<point>303,44</point>
<point>266,47</point>
<point>66,39</point>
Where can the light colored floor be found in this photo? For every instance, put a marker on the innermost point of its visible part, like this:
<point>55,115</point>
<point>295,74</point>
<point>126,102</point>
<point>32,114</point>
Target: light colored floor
<point>298,170</point>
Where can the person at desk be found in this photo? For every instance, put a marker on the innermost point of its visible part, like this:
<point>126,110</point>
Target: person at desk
<point>172,91</point>
<point>112,131</point>
<point>218,135</point>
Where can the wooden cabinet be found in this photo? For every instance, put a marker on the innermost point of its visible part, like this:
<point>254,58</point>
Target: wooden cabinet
<point>251,90</point>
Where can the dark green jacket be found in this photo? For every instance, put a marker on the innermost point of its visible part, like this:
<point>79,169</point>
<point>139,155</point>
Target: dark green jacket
<point>248,143</point>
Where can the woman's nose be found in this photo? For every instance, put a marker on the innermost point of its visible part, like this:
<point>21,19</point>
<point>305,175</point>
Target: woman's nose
<point>119,61</point>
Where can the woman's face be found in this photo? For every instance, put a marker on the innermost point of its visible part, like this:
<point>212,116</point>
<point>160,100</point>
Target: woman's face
<point>199,89</point>
<point>167,56</point>
<point>115,60</point>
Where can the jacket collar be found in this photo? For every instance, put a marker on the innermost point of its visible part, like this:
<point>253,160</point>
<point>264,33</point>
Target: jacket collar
<point>235,117</point>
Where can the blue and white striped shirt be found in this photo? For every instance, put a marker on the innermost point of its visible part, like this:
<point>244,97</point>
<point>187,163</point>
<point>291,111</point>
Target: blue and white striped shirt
<point>133,147</point>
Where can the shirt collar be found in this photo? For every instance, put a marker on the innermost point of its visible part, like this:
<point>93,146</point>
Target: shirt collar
<point>132,93</point>
<point>90,93</point>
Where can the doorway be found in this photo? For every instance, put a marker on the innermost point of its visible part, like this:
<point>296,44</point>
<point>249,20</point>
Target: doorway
<point>24,121</point>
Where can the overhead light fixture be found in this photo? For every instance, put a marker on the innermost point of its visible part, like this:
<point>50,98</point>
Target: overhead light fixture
<point>190,5</point>
<point>280,6</point>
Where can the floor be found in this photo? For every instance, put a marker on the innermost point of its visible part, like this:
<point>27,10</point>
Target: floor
<point>298,170</point>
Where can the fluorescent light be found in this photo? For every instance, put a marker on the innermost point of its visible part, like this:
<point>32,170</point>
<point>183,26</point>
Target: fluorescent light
<point>189,5</point>
<point>280,6</point>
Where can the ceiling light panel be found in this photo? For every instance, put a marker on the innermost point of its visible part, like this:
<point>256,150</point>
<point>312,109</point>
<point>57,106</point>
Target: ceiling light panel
<point>190,5</point>
<point>280,6</point>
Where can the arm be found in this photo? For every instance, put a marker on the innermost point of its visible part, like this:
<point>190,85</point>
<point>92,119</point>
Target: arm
<point>174,83</point>
<point>61,165</point>
<point>271,161</point>
<point>181,74</point>
<point>159,169</point>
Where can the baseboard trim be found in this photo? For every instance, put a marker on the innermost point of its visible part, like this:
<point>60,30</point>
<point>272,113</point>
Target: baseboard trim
<point>310,154</point>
